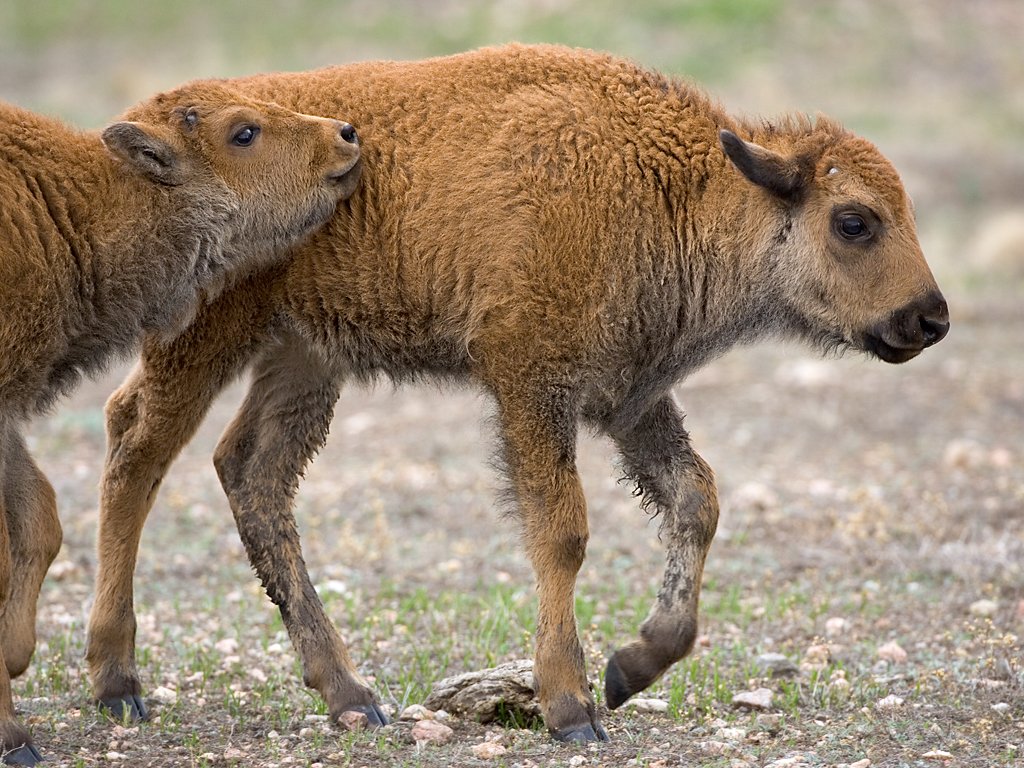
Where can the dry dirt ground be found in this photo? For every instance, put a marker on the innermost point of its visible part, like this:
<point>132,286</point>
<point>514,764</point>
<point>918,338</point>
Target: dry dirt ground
<point>864,505</point>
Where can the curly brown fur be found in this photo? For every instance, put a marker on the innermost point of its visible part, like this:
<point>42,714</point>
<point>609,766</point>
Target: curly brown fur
<point>573,234</point>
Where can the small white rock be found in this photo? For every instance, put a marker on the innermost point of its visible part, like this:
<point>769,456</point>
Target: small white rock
<point>892,652</point>
<point>647,705</point>
<point>332,587</point>
<point>731,734</point>
<point>164,695</point>
<point>937,754</point>
<point>1002,707</point>
<point>836,626</point>
<point>892,701</point>
<point>431,732</point>
<point>488,750</point>
<point>863,763</point>
<point>353,721</point>
<point>416,712</point>
<point>226,646</point>
<point>839,687</point>
<point>754,496</point>
<point>577,760</point>
<point>816,657</point>
<point>115,756</point>
<point>983,608</point>
<point>713,747</point>
<point>61,569</point>
<point>759,699</point>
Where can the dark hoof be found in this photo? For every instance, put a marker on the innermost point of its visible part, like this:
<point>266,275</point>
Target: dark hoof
<point>375,717</point>
<point>616,689</point>
<point>26,754</point>
<point>581,734</point>
<point>128,708</point>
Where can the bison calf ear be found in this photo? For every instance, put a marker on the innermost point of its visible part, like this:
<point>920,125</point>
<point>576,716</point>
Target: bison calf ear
<point>778,174</point>
<point>140,147</point>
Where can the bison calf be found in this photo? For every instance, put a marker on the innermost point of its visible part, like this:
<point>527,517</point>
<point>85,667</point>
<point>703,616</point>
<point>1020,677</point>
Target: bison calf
<point>104,238</point>
<point>580,236</point>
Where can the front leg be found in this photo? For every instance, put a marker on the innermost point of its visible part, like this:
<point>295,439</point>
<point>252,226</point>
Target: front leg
<point>680,487</point>
<point>150,418</point>
<point>539,430</point>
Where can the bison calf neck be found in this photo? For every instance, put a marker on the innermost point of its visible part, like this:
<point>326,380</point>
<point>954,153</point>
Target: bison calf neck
<point>102,244</point>
<point>573,234</point>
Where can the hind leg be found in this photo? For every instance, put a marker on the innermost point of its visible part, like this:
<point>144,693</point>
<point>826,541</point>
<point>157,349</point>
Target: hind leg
<point>681,487</point>
<point>35,539</point>
<point>15,742</point>
<point>281,425</point>
<point>149,419</point>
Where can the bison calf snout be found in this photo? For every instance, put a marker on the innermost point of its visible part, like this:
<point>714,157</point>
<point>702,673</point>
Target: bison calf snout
<point>925,322</point>
<point>935,323</point>
<point>910,330</point>
<point>348,134</point>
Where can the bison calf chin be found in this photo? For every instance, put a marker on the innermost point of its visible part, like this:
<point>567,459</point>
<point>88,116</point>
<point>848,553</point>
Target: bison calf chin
<point>573,234</point>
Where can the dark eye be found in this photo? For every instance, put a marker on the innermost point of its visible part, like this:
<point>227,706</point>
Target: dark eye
<point>852,227</point>
<point>245,136</point>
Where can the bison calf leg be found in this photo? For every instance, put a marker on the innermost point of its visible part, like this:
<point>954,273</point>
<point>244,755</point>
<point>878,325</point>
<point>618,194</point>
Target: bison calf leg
<point>149,419</point>
<point>540,435</point>
<point>29,539</point>
<point>281,425</point>
<point>35,539</point>
<point>681,488</point>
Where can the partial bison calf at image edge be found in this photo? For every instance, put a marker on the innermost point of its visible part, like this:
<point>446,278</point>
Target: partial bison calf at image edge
<point>573,234</point>
<point>107,237</point>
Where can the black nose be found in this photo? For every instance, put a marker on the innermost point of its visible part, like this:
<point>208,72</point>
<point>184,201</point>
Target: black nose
<point>348,133</point>
<point>934,323</point>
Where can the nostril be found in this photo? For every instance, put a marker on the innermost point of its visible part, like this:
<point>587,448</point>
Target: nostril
<point>348,134</point>
<point>933,330</point>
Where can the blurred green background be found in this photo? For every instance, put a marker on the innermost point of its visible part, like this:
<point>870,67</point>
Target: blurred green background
<point>937,84</point>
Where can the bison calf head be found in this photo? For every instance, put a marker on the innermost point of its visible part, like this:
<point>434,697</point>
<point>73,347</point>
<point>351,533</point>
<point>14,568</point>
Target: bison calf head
<point>258,176</point>
<point>842,243</point>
